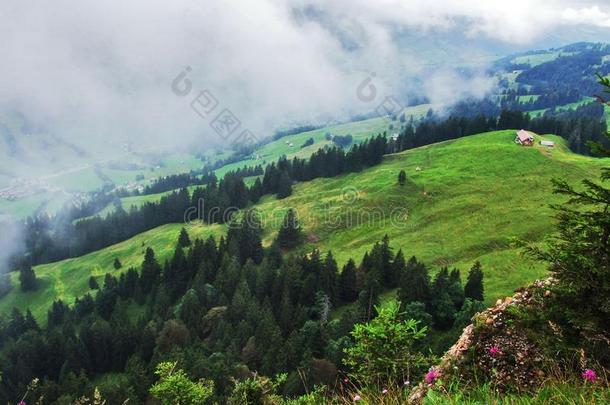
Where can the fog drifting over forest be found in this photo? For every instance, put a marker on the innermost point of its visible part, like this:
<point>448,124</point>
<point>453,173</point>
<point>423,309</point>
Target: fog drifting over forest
<point>99,73</point>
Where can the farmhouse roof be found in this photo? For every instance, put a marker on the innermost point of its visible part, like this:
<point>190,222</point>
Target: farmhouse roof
<point>524,135</point>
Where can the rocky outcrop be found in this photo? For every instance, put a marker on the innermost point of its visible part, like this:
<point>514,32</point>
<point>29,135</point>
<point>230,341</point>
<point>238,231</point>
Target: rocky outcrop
<point>492,344</point>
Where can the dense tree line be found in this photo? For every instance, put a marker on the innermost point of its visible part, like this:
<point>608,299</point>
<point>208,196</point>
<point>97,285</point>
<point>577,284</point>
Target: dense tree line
<point>293,131</point>
<point>223,309</point>
<point>49,239</point>
<point>568,72</point>
<point>579,129</point>
<point>248,171</point>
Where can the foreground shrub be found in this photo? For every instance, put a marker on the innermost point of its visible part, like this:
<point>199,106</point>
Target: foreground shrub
<point>383,354</point>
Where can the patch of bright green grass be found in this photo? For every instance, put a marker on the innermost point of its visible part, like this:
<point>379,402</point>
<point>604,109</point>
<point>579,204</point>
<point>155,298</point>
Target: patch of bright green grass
<point>540,58</point>
<point>564,107</point>
<point>466,202</point>
<point>69,278</point>
<point>568,393</point>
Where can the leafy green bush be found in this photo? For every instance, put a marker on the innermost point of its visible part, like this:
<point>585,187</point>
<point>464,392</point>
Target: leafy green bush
<point>175,388</point>
<point>383,353</point>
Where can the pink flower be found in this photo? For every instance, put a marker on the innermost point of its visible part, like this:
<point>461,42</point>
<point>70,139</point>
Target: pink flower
<point>357,398</point>
<point>21,403</point>
<point>494,351</point>
<point>385,391</point>
<point>589,375</point>
<point>345,380</point>
<point>431,376</point>
<point>407,382</point>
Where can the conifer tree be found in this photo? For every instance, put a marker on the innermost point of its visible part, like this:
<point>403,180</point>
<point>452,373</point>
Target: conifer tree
<point>250,245</point>
<point>399,266</point>
<point>415,283</point>
<point>390,278</point>
<point>93,283</point>
<point>284,186</point>
<point>474,284</point>
<point>348,289</point>
<point>117,263</point>
<point>183,239</point>
<point>402,178</point>
<point>151,270</point>
<point>27,278</point>
<point>329,277</point>
<point>455,289</point>
<point>290,233</point>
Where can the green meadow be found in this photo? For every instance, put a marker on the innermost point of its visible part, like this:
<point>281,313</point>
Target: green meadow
<point>69,278</point>
<point>465,200</point>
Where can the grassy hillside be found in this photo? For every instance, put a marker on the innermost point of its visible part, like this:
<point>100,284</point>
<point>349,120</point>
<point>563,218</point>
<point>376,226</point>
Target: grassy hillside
<point>69,278</point>
<point>470,197</point>
<point>272,151</point>
<point>465,203</point>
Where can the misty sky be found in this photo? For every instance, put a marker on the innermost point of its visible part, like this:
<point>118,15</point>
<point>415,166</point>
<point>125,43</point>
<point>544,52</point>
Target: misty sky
<point>99,72</point>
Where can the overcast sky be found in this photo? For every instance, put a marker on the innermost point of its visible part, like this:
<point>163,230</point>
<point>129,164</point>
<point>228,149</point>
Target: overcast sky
<point>102,70</point>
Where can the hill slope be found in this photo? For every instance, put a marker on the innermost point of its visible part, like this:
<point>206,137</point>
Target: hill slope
<point>467,200</point>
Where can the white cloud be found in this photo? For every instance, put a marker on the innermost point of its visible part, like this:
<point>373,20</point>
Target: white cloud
<point>100,72</point>
<point>590,16</point>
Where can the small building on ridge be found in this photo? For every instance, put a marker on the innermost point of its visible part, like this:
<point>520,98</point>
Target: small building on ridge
<point>524,138</point>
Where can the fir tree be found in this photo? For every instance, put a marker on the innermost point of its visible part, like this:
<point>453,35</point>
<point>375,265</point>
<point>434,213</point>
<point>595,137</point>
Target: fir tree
<point>151,271</point>
<point>399,266</point>
<point>329,276</point>
<point>474,284</point>
<point>93,283</point>
<point>402,178</point>
<point>348,289</point>
<point>184,240</point>
<point>415,283</point>
<point>284,186</point>
<point>290,233</point>
<point>27,278</point>
<point>117,263</point>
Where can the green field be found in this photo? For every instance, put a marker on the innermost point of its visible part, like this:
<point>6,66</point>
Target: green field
<point>69,278</point>
<point>564,107</point>
<point>360,130</point>
<point>272,151</point>
<point>469,199</point>
<point>540,58</point>
<point>465,203</point>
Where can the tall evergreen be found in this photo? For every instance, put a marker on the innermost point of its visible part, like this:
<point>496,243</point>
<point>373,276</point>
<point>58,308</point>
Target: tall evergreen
<point>399,266</point>
<point>474,284</point>
<point>390,277</point>
<point>27,278</point>
<point>117,263</point>
<point>284,186</point>
<point>415,283</point>
<point>151,270</point>
<point>402,178</point>
<point>348,288</point>
<point>248,238</point>
<point>455,289</point>
<point>93,283</point>
<point>290,233</point>
<point>330,274</point>
<point>183,239</point>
